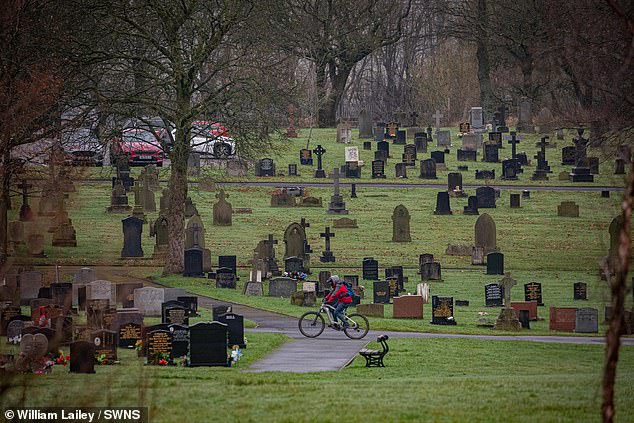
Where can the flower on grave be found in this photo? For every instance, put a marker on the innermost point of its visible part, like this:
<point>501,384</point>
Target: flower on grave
<point>62,359</point>
<point>102,359</point>
<point>138,345</point>
<point>162,362</point>
<point>236,353</point>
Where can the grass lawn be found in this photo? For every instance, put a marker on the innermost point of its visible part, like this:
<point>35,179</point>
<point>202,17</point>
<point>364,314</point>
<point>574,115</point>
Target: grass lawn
<point>425,380</point>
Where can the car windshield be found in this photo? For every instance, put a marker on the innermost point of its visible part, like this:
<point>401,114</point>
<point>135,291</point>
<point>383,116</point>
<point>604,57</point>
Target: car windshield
<point>139,136</point>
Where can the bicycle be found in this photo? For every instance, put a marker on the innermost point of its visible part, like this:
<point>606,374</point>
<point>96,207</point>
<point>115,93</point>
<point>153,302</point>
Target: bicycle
<point>312,323</point>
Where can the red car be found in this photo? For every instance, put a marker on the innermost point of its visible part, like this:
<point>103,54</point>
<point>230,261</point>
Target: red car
<point>140,145</point>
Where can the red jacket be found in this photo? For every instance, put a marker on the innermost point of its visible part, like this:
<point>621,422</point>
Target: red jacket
<point>341,295</point>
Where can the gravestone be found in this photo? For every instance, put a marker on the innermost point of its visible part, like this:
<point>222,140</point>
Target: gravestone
<point>235,326</point>
<point>568,155</point>
<point>533,292</point>
<point>580,291</point>
<point>409,155</point>
<point>486,233</point>
<point>373,310</point>
<point>30,283</point>
<point>495,264</point>
<point>253,289</point>
<point>148,300</point>
<point>471,142</point>
<point>420,141</point>
<point>454,180</point>
<point>129,335</point>
<point>400,170</point>
<point>408,307</point>
<point>563,319</point>
<point>161,235</point>
<point>467,155</point>
<point>180,340</point>
<point>486,197</point>
<point>344,133</point>
<point>345,222</point>
<point>337,205</point>
<point>493,295</point>
<point>378,169</point>
<point>472,206</point>
<point>485,174</point>
<point>296,245</point>
<point>529,306</point>
<point>292,169</point>
<point>265,167</point>
<point>222,210</point>
<point>365,124</point>
<point>174,312</point>
<point>159,346</point>
<point>428,169</point>
<point>132,231</point>
<point>306,157</point>
<point>430,271</point>
<point>102,290</point>
<point>82,357</point>
<point>193,262</point>
<point>208,344</point>
<point>515,201</point>
<point>587,320</point>
<point>524,121</point>
<point>195,233</point>
<point>477,256</point>
<point>443,138</point>
<point>105,342</point>
<point>370,269</point>
<point>401,225</point>
<point>282,287</point>
<point>442,311</point>
<point>327,256</point>
<point>381,292</point>
<point>443,206</point>
<point>568,209</point>
<point>225,278</point>
<point>476,119</point>
<point>118,200</point>
<point>491,153</point>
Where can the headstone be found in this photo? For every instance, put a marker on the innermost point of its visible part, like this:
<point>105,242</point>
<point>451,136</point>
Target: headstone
<point>337,205</point>
<point>563,319</point>
<point>515,201</point>
<point>568,209</point>
<point>491,153</point>
<point>30,283</point>
<point>174,312</point>
<point>428,169</point>
<point>222,210</point>
<point>524,121</point>
<point>105,342</point>
<point>129,335</point>
<point>495,264</point>
<point>327,256</point>
<point>587,320</point>
<point>472,206</point>
<point>486,233</point>
<point>370,269</point>
<point>408,307</point>
<point>225,278</point>
<point>159,346</point>
<point>443,138</point>
<point>381,291</point>
<point>82,357</point>
<point>443,206</point>
<point>568,155</point>
<point>371,310</point>
<point>193,262</point>
<point>282,287</point>
<point>345,222</point>
<point>306,157</point>
<point>132,230</point>
<point>580,291</point>
<point>401,225</point>
<point>442,311</point>
<point>486,197</point>
<point>102,290</point>
<point>235,326</point>
<point>265,167</point>
<point>533,292</point>
<point>180,340</point>
<point>430,271</point>
<point>529,306</point>
<point>493,295</point>
<point>467,155</point>
<point>208,344</point>
<point>378,169</point>
<point>477,256</point>
<point>253,289</point>
<point>471,142</point>
<point>365,124</point>
<point>476,119</point>
<point>400,170</point>
<point>485,174</point>
<point>148,300</point>
<point>319,172</point>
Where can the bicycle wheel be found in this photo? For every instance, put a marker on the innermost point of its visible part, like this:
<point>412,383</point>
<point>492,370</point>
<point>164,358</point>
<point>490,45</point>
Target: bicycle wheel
<point>311,324</point>
<point>359,326</point>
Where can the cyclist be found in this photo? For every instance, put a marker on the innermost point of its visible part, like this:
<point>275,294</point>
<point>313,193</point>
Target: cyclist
<point>341,296</point>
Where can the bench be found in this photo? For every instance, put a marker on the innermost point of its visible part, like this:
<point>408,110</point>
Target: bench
<point>374,358</point>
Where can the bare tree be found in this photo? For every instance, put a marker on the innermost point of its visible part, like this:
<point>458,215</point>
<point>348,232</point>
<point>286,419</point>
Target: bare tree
<point>184,61</point>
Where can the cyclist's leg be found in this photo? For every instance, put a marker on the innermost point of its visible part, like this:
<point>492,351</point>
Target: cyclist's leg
<point>337,315</point>
<point>344,320</point>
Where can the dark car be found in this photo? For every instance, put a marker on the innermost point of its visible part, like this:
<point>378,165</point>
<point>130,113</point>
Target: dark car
<point>81,147</point>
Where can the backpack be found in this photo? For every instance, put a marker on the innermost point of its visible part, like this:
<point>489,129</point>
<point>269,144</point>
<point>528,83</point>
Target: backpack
<point>351,292</point>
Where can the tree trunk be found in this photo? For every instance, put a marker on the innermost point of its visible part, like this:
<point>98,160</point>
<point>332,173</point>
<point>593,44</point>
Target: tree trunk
<point>484,64</point>
<point>5,176</point>
<point>174,262</point>
<point>619,289</point>
<point>328,109</point>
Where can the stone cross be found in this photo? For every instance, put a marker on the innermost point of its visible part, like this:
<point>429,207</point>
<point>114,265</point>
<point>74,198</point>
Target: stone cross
<point>354,191</point>
<point>507,283</point>
<point>319,151</point>
<point>270,241</point>
<point>327,235</point>
<point>514,140</point>
<point>335,178</point>
<point>541,155</point>
<point>25,186</point>
<point>137,194</point>
<point>437,116</point>
<point>304,223</point>
<point>581,144</point>
<point>221,196</point>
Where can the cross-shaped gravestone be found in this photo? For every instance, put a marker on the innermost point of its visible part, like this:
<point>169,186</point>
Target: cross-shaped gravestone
<point>354,191</point>
<point>319,151</point>
<point>581,144</point>
<point>25,209</point>
<point>437,116</point>
<point>327,235</point>
<point>221,196</point>
<point>304,223</point>
<point>270,241</point>
<point>412,117</point>
<point>507,283</point>
<point>137,194</point>
<point>541,156</point>
<point>335,178</point>
<point>514,140</point>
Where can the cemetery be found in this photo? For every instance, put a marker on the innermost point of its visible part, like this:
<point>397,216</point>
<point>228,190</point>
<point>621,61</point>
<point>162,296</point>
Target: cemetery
<point>486,249</point>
